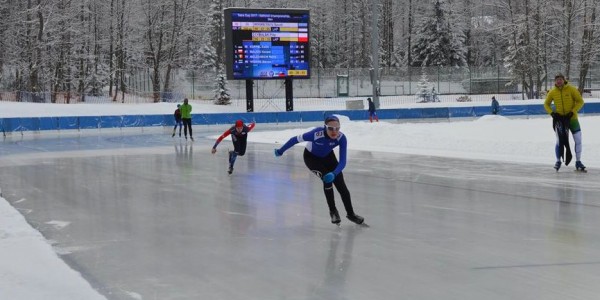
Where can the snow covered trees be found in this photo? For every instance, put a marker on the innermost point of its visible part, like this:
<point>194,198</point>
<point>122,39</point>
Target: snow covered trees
<point>90,47</point>
<point>439,41</point>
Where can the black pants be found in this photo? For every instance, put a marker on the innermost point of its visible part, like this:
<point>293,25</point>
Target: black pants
<point>187,123</point>
<point>321,166</point>
<point>178,122</point>
<point>239,149</point>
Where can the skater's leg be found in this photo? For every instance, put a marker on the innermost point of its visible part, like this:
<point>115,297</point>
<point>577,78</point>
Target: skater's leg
<point>319,167</point>
<point>341,187</point>
<point>189,124</point>
<point>185,127</point>
<point>576,132</point>
<point>578,146</point>
<point>239,147</point>
<point>232,157</point>
<point>329,196</point>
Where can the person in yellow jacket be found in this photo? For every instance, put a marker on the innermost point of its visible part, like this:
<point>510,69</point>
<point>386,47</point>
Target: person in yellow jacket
<point>567,102</point>
<point>186,118</point>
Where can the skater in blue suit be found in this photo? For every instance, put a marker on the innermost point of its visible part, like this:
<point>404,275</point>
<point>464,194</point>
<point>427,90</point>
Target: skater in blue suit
<point>320,159</point>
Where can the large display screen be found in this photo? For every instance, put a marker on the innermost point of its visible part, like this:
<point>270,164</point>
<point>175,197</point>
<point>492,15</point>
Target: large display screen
<point>267,43</point>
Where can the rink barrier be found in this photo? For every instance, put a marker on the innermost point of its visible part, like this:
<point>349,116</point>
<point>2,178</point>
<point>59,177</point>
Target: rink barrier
<point>8,125</point>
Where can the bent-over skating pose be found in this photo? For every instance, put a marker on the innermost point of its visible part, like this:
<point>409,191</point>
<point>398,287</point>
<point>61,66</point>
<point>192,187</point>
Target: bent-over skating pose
<point>239,137</point>
<point>320,159</point>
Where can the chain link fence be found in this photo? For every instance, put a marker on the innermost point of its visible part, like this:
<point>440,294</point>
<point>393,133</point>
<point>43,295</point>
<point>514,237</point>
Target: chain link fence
<point>400,85</point>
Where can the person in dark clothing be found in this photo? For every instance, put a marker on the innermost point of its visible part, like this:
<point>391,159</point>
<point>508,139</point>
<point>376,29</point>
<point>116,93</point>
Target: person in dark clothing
<point>239,137</point>
<point>495,106</point>
<point>178,122</point>
<point>320,159</point>
<point>372,113</point>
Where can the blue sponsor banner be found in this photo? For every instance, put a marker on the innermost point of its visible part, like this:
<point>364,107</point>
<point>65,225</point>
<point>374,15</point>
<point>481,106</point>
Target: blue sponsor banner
<point>460,112</point>
<point>111,122</point>
<point>92,122</point>
<point>133,121</point>
<point>68,123</point>
<point>48,123</point>
<point>154,120</point>
<point>89,122</point>
<point>435,112</point>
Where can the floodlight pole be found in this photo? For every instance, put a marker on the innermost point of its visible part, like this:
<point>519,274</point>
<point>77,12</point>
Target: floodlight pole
<point>249,95</point>
<point>375,53</point>
<point>289,94</point>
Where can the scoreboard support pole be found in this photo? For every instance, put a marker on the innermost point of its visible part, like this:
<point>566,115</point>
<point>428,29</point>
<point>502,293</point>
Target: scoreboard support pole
<point>289,94</point>
<point>249,95</point>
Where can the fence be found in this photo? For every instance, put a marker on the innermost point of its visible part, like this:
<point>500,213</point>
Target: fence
<point>394,82</point>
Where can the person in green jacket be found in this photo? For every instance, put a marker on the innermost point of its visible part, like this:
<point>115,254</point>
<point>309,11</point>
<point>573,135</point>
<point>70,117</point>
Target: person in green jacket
<point>567,102</point>
<point>186,118</point>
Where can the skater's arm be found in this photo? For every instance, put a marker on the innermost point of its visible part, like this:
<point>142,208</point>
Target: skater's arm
<point>251,126</point>
<point>577,100</point>
<point>547,102</point>
<point>305,137</point>
<point>291,142</point>
<point>224,135</point>
<point>343,150</point>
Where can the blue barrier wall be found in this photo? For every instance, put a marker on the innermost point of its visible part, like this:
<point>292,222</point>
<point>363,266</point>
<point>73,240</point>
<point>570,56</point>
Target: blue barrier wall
<point>96,122</point>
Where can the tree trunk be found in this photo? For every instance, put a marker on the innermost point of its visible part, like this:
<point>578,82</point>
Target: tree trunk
<point>568,25</point>
<point>111,70</point>
<point>587,43</point>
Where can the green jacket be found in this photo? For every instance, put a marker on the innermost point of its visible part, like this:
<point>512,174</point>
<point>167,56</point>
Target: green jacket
<point>186,111</point>
<point>566,99</point>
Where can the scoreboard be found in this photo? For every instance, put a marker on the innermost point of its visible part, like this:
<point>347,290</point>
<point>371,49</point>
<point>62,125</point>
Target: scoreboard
<point>267,43</point>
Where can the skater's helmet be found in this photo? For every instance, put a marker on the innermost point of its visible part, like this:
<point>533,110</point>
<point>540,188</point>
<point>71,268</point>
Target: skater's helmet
<point>331,118</point>
<point>239,123</point>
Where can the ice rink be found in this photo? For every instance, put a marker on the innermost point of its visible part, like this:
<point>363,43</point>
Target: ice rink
<point>144,216</point>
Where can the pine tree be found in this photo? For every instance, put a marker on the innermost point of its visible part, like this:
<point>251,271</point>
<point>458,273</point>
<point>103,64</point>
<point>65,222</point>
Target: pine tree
<point>222,96</point>
<point>439,42</point>
<point>424,91</point>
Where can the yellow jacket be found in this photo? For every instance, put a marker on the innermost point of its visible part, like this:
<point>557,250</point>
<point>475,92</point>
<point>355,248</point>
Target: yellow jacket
<point>566,99</point>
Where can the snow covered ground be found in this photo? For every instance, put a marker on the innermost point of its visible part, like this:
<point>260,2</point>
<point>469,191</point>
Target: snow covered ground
<point>30,269</point>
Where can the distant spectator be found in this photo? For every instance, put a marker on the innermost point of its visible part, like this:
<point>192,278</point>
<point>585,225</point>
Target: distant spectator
<point>495,106</point>
<point>372,113</point>
<point>434,95</point>
<point>178,122</point>
<point>186,117</point>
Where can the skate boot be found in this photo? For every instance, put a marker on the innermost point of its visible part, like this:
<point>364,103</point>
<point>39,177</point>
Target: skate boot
<point>335,217</point>
<point>173,134</point>
<point>230,170</point>
<point>557,165</point>
<point>191,138</point>
<point>356,218</point>
<point>579,166</point>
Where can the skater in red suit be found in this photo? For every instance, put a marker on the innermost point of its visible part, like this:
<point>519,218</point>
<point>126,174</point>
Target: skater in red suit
<point>239,137</point>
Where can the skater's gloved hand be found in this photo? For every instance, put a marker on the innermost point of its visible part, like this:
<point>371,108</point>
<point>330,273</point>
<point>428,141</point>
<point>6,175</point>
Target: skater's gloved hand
<point>213,150</point>
<point>277,152</point>
<point>329,177</point>
<point>569,115</point>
